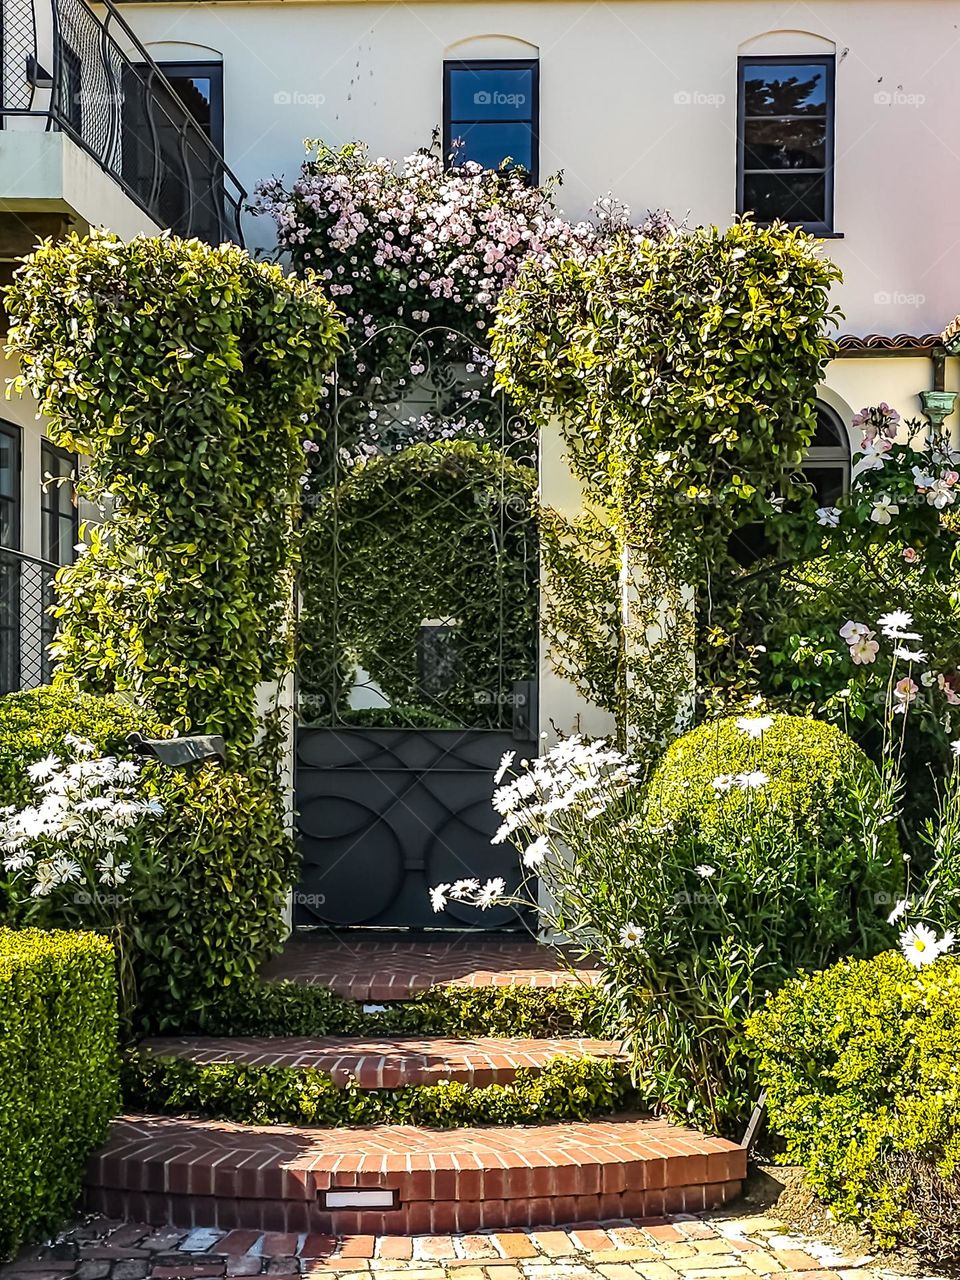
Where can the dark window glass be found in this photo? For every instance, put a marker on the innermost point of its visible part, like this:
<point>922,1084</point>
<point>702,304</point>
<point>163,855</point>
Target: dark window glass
<point>199,86</point>
<point>58,529</point>
<point>9,565</point>
<point>72,88</point>
<point>160,142</point>
<point>785,141</point>
<point>490,112</point>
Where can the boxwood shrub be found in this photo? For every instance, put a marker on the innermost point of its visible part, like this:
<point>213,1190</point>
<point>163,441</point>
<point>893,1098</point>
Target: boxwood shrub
<point>212,910</point>
<point>59,1073</point>
<point>566,1089</point>
<point>821,786</point>
<point>258,1008</point>
<point>209,908</point>
<point>861,1063</point>
<point>35,723</point>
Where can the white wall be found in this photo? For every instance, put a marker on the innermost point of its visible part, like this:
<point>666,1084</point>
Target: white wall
<point>615,83</point>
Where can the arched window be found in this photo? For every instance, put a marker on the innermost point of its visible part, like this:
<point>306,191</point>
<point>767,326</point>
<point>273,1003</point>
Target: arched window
<point>827,464</point>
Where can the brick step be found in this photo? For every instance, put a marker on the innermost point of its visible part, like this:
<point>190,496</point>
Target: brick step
<point>382,971</point>
<point>388,1063</point>
<point>399,1180</point>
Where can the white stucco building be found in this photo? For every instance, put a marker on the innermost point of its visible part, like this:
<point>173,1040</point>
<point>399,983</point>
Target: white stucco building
<point>835,113</point>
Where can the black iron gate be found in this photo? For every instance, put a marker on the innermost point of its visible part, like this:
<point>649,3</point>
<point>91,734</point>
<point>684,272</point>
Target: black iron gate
<point>418,634</point>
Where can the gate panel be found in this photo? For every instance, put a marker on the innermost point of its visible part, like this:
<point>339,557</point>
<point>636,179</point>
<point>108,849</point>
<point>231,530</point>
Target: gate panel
<point>418,636</point>
<point>387,813</point>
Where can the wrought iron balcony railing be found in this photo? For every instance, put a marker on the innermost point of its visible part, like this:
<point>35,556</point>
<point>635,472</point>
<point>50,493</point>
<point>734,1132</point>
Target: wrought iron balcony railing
<point>62,67</point>
<point>26,627</point>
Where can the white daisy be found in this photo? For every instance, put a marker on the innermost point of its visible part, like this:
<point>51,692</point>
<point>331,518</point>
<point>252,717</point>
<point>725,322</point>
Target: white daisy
<point>920,945</point>
<point>755,726</point>
<point>705,872</point>
<point>895,623</point>
<point>438,896</point>
<point>506,760</point>
<point>535,853</point>
<point>491,893</point>
<point>898,912</point>
<point>631,935</point>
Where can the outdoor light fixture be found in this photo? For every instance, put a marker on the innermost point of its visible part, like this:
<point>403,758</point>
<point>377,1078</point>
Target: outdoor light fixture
<point>359,1198</point>
<point>176,753</point>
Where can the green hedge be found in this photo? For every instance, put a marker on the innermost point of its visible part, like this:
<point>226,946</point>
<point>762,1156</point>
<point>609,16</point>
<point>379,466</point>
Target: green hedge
<point>567,1089</point>
<point>861,1063</point>
<point>214,910</point>
<point>59,1084</point>
<point>251,1008</point>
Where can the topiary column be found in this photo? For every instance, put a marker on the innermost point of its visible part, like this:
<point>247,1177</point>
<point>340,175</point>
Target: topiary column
<point>183,373</point>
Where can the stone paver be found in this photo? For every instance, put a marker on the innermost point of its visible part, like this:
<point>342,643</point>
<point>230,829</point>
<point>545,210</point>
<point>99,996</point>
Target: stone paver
<point>683,1247</point>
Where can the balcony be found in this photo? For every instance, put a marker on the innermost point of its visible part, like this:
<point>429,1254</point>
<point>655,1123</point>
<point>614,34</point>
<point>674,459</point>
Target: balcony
<point>94,133</point>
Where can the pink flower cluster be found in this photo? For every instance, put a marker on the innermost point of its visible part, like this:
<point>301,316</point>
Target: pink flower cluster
<point>436,245</point>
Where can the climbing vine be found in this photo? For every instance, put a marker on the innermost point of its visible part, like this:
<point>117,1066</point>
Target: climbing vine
<point>681,365</point>
<point>441,533</point>
<point>182,373</point>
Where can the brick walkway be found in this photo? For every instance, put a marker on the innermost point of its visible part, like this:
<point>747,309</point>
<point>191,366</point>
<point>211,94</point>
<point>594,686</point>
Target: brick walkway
<point>378,971</point>
<point>709,1247</point>
<point>388,1064</point>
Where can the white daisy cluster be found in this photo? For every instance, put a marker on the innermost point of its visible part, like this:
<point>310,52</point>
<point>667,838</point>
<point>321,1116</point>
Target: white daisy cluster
<point>80,828</point>
<point>559,793</point>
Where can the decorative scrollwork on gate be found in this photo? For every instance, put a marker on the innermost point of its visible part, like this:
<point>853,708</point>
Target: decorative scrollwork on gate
<point>419,566</point>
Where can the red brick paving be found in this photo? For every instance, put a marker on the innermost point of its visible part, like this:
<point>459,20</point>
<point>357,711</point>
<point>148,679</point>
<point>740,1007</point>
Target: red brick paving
<point>383,971</point>
<point>725,1248</point>
<point>386,1063</point>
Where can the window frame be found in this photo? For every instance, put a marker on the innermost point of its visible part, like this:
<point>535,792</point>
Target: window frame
<point>829,61</point>
<point>14,433</point>
<point>494,64</point>
<point>212,71</point>
<point>11,663</point>
<point>49,510</point>
<point>838,457</point>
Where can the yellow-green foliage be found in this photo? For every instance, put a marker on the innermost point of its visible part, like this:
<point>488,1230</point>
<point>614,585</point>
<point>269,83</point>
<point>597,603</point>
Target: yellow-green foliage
<point>34,723</point>
<point>862,1069</point>
<point>814,769</point>
<point>59,1072</point>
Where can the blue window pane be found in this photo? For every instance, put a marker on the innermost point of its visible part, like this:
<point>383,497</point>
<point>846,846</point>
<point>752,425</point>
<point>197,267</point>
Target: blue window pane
<point>496,93</point>
<point>785,89</point>
<point>491,144</point>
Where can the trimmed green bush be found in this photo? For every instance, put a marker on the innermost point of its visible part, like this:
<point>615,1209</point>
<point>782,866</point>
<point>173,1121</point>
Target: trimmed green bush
<point>567,1089</point>
<point>289,1009</point>
<point>34,723</point>
<point>59,1084</point>
<point>862,1069</point>
<point>213,911</point>
<point>821,794</point>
